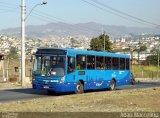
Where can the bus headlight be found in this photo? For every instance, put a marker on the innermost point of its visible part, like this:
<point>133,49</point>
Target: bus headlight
<point>53,73</point>
<point>62,79</point>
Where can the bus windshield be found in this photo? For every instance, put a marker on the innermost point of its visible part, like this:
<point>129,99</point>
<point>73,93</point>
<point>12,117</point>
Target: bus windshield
<point>49,65</point>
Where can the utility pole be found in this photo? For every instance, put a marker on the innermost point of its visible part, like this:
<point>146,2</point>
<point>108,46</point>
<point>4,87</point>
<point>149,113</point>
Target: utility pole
<point>131,52</point>
<point>23,20</point>
<point>23,12</point>
<point>158,65</point>
<point>104,41</point>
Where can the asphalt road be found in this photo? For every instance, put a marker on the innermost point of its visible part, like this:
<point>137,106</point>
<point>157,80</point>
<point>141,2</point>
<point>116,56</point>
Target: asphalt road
<point>28,93</point>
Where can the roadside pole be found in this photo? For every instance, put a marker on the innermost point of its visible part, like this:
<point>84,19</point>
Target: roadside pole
<point>7,77</point>
<point>23,12</point>
<point>3,70</point>
<point>104,41</point>
<point>23,20</point>
<point>158,65</point>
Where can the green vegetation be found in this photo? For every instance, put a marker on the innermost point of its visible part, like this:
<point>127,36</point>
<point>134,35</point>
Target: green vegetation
<point>13,53</point>
<point>97,43</point>
<point>141,71</point>
<point>152,60</point>
<point>140,49</point>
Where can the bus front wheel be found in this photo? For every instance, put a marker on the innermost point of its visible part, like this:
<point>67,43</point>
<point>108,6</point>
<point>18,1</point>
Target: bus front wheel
<point>50,92</point>
<point>112,85</point>
<point>79,88</point>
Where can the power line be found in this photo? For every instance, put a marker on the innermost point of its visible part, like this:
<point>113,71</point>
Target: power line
<point>7,7</point>
<point>91,4</point>
<point>116,14</point>
<point>39,17</point>
<point>43,17</point>
<point>9,10</point>
<point>53,18</point>
<point>46,18</point>
<point>8,4</point>
<point>123,13</point>
<point>48,15</point>
<point>56,18</point>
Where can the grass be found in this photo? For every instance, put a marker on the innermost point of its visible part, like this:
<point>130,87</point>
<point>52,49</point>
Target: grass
<point>141,71</point>
<point>144,68</point>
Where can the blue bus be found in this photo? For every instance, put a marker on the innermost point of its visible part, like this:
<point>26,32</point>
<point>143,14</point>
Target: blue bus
<point>68,70</point>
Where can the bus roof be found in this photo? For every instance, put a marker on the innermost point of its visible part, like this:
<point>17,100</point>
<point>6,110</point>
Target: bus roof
<point>86,52</point>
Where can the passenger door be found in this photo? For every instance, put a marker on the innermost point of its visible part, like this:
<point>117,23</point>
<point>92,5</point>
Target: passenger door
<point>70,78</point>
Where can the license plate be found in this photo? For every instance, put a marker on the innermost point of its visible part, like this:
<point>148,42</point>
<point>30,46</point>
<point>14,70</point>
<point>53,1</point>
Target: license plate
<point>46,87</point>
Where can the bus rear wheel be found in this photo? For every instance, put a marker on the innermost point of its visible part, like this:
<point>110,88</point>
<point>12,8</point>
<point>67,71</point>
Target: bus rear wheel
<point>112,85</point>
<point>79,88</point>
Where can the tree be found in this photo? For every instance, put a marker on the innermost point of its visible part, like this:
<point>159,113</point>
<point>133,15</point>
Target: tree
<point>152,60</point>
<point>140,49</point>
<point>13,53</point>
<point>73,42</point>
<point>97,43</point>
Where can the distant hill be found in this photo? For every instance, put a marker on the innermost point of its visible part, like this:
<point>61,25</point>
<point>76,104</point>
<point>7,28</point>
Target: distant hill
<point>90,29</point>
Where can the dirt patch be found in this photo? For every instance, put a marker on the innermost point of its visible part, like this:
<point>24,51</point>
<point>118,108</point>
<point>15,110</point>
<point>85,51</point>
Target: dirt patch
<point>13,85</point>
<point>146,100</point>
<point>9,85</point>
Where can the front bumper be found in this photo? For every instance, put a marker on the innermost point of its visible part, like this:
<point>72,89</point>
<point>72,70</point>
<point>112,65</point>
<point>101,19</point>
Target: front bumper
<point>56,87</point>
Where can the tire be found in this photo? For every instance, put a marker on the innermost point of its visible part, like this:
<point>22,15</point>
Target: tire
<point>112,85</point>
<point>50,92</point>
<point>79,88</point>
<point>133,82</point>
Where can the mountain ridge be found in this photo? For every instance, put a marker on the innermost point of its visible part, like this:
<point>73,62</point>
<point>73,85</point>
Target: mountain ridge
<point>90,29</point>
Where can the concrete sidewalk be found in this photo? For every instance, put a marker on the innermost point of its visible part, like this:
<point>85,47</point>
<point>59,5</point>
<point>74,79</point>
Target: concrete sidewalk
<point>10,85</point>
<point>148,79</point>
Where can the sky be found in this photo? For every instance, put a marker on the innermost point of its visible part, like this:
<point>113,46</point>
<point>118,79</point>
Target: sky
<point>79,11</point>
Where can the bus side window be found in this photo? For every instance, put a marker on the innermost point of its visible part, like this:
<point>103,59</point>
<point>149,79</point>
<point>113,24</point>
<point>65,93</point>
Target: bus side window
<point>100,63</point>
<point>115,63</point>
<point>127,64</point>
<point>122,63</point>
<point>71,64</point>
<point>108,63</point>
<point>90,62</point>
<point>81,62</point>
